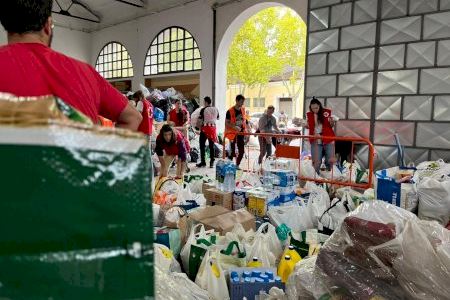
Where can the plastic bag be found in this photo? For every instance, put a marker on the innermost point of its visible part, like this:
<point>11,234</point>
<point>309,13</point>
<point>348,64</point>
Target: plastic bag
<point>265,246</point>
<point>191,261</point>
<point>434,199</point>
<point>421,263</point>
<point>165,260</point>
<point>307,169</point>
<point>335,214</point>
<point>318,203</point>
<point>183,195</point>
<point>158,114</point>
<point>144,90</point>
<point>295,217</point>
<point>232,256</point>
<point>305,283</point>
<point>211,277</point>
<point>176,286</point>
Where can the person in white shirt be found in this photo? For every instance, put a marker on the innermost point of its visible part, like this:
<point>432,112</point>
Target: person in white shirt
<point>208,132</point>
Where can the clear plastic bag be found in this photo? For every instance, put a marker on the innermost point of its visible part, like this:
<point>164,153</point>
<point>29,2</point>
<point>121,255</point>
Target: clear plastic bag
<point>434,199</point>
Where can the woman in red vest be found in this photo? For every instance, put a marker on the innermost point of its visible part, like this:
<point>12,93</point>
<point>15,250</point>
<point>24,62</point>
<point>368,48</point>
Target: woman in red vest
<point>146,109</point>
<point>170,144</point>
<point>320,123</point>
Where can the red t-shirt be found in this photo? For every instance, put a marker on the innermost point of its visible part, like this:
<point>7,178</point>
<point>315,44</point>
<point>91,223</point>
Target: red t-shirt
<point>33,69</point>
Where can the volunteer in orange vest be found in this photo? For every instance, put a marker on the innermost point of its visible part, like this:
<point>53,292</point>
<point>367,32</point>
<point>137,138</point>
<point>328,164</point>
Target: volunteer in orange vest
<point>236,121</point>
<point>320,123</point>
<point>146,109</point>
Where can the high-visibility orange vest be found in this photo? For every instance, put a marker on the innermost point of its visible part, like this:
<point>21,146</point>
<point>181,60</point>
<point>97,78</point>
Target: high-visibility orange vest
<point>230,130</point>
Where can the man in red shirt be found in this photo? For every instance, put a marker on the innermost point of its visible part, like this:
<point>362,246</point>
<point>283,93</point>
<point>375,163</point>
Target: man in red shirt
<point>29,67</point>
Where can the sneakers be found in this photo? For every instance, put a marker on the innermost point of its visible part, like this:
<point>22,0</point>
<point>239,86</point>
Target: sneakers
<point>201,165</point>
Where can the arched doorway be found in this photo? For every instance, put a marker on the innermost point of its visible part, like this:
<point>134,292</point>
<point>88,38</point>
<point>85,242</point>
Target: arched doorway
<point>300,8</point>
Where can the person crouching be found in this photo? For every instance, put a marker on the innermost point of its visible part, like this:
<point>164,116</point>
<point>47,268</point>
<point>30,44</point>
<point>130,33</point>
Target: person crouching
<point>170,144</point>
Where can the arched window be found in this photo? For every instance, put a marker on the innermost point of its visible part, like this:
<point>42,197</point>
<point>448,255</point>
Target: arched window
<point>173,50</point>
<point>114,62</point>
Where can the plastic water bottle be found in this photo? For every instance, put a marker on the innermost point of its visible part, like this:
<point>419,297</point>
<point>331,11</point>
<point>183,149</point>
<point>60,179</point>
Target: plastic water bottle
<point>229,183</point>
<point>219,167</point>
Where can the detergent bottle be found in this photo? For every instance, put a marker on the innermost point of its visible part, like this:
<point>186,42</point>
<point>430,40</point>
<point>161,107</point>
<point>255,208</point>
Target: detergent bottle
<point>295,257</point>
<point>255,263</point>
<point>285,268</point>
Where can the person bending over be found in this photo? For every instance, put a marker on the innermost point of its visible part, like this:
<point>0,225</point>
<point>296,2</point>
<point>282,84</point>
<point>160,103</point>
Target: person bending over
<point>170,144</point>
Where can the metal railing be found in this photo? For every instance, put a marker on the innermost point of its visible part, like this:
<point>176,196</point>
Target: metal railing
<point>284,150</point>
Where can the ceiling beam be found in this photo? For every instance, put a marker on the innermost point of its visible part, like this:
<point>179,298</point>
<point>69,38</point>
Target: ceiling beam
<point>66,12</point>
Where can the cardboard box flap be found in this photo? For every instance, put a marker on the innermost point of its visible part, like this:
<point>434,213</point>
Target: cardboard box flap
<point>207,212</point>
<point>225,222</point>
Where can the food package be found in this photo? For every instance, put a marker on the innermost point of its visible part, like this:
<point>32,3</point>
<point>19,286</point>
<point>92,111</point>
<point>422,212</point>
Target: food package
<point>383,251</point>
<point>76,220</point>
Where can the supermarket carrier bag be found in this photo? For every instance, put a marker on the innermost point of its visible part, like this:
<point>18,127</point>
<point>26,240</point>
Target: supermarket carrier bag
<point>75,211</point>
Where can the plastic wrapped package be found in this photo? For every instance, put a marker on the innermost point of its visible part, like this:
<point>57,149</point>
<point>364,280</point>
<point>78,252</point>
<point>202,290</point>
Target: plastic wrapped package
<point>383,251</point>
<point>305,283</point>
<point>165,260</point>
<point>75,215</point>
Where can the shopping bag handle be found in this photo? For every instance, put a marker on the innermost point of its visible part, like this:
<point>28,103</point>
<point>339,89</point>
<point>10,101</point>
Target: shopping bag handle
<point>206,242</point>
<point>230,247</point>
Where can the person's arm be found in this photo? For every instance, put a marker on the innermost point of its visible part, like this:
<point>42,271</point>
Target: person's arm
<point>129,118</point>
<point>140,106</point>
<point>275,126</point>
<point>159,152</point>
<point>228,122</point>
<point>114,106</point>
<point>188,119</point>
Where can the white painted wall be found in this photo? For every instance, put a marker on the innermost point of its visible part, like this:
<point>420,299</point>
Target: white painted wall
<point>73,43</point>
<point>138,34</point>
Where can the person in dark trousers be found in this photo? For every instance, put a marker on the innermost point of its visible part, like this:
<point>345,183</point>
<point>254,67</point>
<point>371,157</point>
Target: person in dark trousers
<point>236,122</point>
<point>208,132</point>
<point>267,124</point>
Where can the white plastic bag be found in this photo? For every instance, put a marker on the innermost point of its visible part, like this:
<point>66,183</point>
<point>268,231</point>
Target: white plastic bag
<point>211,277</point>
<point>434,199</point>
<point>164,259</point>
<point>183,195</point>
<point>192,240</point>
<point>295,217</point>
<point>266,246</point>
<point>337,212</point>
<point>144,90</point>
<point>319,202</point>
<point>307,169</point>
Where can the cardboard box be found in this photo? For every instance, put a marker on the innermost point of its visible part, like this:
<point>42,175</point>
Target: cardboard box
<point>221,219</point>
<point>207,186</point>
<point>217,197</point>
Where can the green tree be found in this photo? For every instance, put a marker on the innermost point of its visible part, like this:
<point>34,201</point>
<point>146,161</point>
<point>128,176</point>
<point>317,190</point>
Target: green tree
<point>271,43</point>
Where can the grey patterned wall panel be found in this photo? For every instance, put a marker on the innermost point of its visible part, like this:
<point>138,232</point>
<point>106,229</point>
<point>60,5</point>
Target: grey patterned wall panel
<point>421,54</point>
<point>358,84</point>
<point>393,8</point>
<point>386,157</point>
<point>341,15</point>
<point>323,41</point>
<point>442,108</point>
<point>439,154</point>
<point>415,155</point>
<point>435,81</point>
<point>359,107</point>
<point>443,53</point>
<point>317,64</point>
<point>338,106</point>
<point>388,108</point>
<point>400,30</point>
<point>353,128</point>
<point>362,60</point>
<point>437,26</point>
<point>358,36</point>
<point>390,67</point>
<point>391,57</point>
<point>318,19</point>
<point>319,3</point>
<point>422,6</point>
<point>362,155</point>
<point>433,135</point>
<point>384,133</point>
<point>417,108</point>
<point>365,10</point>
<point>321,86</point>
<point>445,4</point>
<point>338,62</point>
<point>397,82</point>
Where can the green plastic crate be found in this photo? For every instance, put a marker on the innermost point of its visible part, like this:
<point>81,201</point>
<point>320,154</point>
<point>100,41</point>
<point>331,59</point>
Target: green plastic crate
<point>73,203</point>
